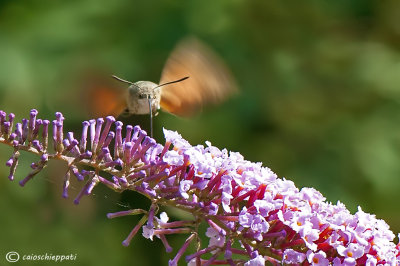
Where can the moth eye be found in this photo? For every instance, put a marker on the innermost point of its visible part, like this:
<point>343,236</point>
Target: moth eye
<point>147,96</point>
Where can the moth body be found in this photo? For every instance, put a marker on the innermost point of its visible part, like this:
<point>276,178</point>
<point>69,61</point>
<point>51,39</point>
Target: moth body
<point>138,97</point>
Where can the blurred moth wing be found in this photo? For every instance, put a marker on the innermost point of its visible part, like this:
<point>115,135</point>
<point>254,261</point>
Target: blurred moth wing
<point>210,81</point>
<point>104,97</point>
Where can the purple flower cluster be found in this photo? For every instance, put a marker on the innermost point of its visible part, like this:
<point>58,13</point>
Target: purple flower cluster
<point>253,217</point>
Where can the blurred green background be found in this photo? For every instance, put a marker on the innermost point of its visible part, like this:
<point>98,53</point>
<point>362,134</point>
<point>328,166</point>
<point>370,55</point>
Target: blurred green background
<point>319,104</point>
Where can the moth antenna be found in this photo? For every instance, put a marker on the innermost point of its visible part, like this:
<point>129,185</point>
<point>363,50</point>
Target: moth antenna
<point>122,80</point>
<point>170,82</point>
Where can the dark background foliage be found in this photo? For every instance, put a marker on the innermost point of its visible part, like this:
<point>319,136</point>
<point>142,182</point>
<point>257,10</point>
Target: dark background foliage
<point>319,103</point>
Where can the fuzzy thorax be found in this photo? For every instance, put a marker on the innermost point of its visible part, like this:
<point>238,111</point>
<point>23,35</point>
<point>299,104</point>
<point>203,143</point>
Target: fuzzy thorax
<point>138,97</point>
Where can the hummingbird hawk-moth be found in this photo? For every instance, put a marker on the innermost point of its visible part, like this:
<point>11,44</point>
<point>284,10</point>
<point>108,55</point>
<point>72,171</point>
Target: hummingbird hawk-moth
<point>194,75</point>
